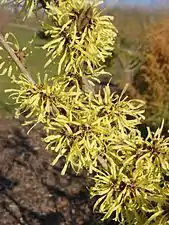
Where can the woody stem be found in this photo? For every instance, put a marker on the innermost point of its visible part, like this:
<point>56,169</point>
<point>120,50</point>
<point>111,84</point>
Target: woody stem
<point>19,64</point>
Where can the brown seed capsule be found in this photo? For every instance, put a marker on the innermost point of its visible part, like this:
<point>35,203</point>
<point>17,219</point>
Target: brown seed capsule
<point>44,2</point>
<point>84,19</point>
<point>21,55</point>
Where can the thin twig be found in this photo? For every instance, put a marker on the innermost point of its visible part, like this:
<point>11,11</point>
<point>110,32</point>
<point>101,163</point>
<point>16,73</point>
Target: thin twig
<point>15,58</point>
<point>23,26</point>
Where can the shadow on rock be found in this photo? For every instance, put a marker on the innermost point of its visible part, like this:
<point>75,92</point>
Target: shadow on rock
<point>26,216</point>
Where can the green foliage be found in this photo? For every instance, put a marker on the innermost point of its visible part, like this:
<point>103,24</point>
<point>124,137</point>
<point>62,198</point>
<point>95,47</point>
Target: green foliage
<point>91,131</point>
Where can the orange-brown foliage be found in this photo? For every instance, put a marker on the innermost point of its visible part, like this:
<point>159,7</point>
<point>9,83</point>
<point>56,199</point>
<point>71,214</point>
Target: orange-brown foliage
<point>156,73</point>
<point>149,28</point>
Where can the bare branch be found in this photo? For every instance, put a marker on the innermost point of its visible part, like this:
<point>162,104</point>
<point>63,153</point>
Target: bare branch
<point>15,58</point>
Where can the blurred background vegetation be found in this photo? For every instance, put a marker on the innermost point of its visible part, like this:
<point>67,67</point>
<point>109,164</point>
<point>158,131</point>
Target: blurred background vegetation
<point>141,57</point>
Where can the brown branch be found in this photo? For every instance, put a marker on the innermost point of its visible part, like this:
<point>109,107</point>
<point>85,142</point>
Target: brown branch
<point>15,58</point>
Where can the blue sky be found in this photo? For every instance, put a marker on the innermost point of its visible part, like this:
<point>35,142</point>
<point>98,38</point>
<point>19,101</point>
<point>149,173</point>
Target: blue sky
<point>142,2</point>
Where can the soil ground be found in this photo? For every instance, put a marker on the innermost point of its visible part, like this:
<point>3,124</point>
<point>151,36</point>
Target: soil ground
<point>31,191</point>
